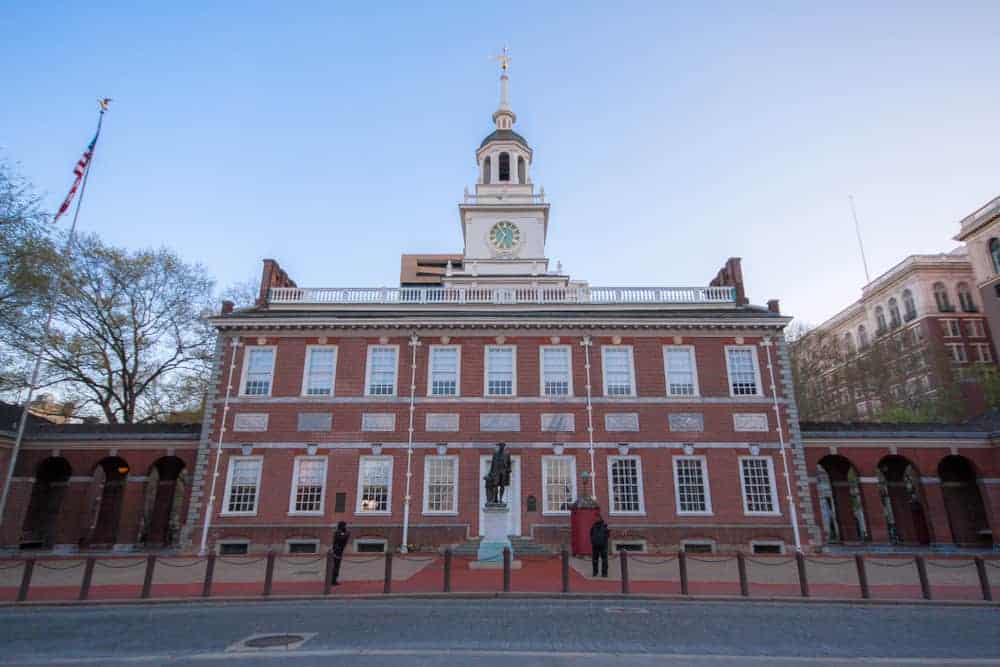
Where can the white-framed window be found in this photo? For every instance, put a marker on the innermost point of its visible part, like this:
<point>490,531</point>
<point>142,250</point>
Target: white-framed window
<point>371,545</point>
<point>951,329</point>
<point>680,370</point>
<point>308,485</point>
<point>382,368</point>
<point>625,485</point>
<point>302,546</point>
<point>558,484</point>
<point>556,364</point>
<point>618,370</point>
<point>975,328</point>
<point>760,496</point>
<point>231,547</point>
<point>983,352</point>
<point>243,485</point>
<point>691,489</point>
<point>501,370</point>
<point>444,370</point>
<point>637,546</point>
<point>744,373</point>
<point>441,485</point>
<point>374,485</point>
<point>765,547</point>
<point>698,546</point>
<point>320,372</point>
<point>957,352</point>
<point>258,370</point>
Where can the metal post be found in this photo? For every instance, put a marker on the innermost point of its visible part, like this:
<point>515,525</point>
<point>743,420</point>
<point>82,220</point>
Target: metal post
<point>147,582</point>
<point>565,569</point>
<point>447,570</point>
<point>984,579</point>
<point>88,574</point>
<point>328,581</point>
<point>925,583</point>
<point>29,569</point>
<point>859,560</point>
<point>269,573</point>
<point>682,565</point>
<point>623,559</point>
<point>206,589</point>
<point>800,562</point>
<point>741,566</point>
<point>506,569</point>
<point>387,584</point>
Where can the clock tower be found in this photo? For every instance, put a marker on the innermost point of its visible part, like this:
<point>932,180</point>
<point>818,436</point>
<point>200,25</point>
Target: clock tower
<point>505,222</point>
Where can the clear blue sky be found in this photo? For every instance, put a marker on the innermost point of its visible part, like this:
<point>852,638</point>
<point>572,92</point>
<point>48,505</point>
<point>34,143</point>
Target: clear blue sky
<point>667,138</point>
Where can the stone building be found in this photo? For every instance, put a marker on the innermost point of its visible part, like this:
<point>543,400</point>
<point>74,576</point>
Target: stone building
<point>980,232</point>
<point>917,331</point>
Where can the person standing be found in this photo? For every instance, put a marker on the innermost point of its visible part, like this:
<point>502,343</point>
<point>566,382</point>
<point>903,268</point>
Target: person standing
<point>340,539</point>
<point>599,534</point>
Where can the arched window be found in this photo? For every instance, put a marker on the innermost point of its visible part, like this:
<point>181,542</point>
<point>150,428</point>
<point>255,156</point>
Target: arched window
<point>487,170</point>
<point>995,254</point>
<point>965,298</point>
<point>849,342</point>
<point>880,320</point>
<point>504,167</point>
<point>909,306</point>
<point>862,336</point>
<point>941,296</point>
<point>894,318</point>
<point>522,170</point>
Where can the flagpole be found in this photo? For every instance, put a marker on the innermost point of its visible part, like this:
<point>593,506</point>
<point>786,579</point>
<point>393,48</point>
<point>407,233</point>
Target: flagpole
<point>46,331</point>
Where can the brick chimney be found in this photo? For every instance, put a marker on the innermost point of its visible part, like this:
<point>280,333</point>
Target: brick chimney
<point>773,306</point>
<point>272,276</point>
<point>731,275</point>
<point>227,307</point>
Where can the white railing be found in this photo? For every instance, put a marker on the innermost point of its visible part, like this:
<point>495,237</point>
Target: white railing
<point>990,209</point>
<point>505,198</point>
<point>501,295</point>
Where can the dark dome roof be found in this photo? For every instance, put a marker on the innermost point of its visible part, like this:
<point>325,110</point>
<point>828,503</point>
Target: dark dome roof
<point>505,135</point>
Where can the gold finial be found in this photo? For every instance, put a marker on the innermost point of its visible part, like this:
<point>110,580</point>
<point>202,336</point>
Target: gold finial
<point>504,59</point>
<point>103,103</point>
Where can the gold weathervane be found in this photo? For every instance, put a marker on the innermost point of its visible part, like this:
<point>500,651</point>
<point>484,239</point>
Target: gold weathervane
<point>103,103</point>
<point>503,59</point>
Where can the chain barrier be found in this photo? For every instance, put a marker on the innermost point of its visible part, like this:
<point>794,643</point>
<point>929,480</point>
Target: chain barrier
<point>652,561</point>
<point>363,560</point>
<point>957,566</point>
<point>126,566</point>
<point>882,563</point>
<point>191,564</point>
<point>414,559</point>
<point>768,563</point>
<point>829,561</point>
<point>993,564</point>
<point>242,563</point>
<point>711,560</point>
<point>75,565</point>
<point>298,560</point>
<point>16,564</point>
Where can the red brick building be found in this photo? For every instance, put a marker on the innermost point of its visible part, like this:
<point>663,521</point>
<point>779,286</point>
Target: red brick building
<point>380,406</point>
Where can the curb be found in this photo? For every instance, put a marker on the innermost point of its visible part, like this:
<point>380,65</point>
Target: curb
<point>712,599</point>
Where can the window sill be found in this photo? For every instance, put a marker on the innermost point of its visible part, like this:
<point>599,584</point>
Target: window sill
<point>225,514</point>
<point>321,513</point>
<point>433,513</point>
<point>364,513</point>
<point>774,514</point>
<point>695,514</point>
<point>559,513</point>
<point>642,513</point>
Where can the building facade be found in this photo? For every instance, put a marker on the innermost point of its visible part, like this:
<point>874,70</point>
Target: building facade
<point>380,406</point>
<point>917,333</point>
<point>980,232</point>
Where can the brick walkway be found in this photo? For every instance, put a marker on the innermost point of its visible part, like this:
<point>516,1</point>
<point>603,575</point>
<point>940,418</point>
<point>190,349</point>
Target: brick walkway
<point>114,578</point>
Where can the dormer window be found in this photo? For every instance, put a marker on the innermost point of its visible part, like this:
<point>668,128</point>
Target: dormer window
<point>504,167</point>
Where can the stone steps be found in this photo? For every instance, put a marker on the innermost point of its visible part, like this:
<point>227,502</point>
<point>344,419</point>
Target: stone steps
<point>523,546</point>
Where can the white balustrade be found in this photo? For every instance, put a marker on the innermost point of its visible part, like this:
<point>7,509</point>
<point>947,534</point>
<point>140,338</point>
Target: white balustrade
<point>501,295</point>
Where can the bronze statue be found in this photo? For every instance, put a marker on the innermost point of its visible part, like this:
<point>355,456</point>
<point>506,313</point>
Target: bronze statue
<point>498,478</point>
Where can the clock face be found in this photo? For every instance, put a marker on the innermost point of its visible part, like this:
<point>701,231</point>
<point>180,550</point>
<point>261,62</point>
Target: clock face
<point>505,236</point>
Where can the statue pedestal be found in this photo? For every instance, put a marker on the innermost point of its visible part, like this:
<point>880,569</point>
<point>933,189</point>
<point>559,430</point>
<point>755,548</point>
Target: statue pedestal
<point>495,522</point>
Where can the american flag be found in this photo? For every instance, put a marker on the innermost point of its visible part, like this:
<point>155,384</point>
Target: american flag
<point>78,171</point>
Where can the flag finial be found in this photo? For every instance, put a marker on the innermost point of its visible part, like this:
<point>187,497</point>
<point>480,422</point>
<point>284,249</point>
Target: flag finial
<point>103,103</point>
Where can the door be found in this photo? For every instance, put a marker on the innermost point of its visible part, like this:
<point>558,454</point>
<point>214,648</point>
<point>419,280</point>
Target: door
<point>512,496</point>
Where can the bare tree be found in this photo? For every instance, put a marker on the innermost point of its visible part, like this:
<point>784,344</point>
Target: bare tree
<point>129,335</point>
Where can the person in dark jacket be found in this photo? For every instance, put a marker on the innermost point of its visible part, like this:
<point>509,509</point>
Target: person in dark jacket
<point>599,534</point>
<point>340,539</point>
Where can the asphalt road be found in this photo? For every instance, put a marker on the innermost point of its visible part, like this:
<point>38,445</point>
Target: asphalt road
<point>505,632</point>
